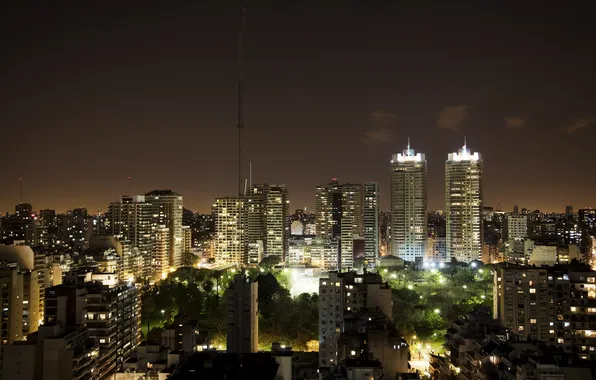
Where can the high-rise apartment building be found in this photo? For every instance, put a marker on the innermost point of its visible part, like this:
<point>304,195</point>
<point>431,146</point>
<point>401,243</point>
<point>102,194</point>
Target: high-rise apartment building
<point>408,205</point>
<point>371,221</point>
<point>160,256</point>
<point>267,220</point>
<point>351,221</point>
<point>242,313</point>
<point>135,219</point>
<point>169,213</point>
<point>463,205</point>
<point>339,216</point>
<point>515,227</point>
<point>328,210</point>
<point>556,305</point>
<point>186,246</point>
<point>339,294</point>
<point>587,220</point>
<point>229,237</point>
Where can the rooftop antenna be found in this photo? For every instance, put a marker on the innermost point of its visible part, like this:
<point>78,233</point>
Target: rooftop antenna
<point>249,176</point>
<point>128,186</point>
<point>465,142</point>
<point>240,125</point>
<point>20,190</point>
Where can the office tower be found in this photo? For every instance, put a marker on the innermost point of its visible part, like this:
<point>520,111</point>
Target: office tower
<point>371,221</point>
<point>242,313</point>
<point>408,205</point>
<point>463,205</point>
<point>229,230</point>
<point>267,220</point>
<point>160,260</point>
<point>169,213</point>
<point>515,227</point>
<point>339,216</point>
<point>343,297</point>
<point>134,219</point>
<point>556,305</point>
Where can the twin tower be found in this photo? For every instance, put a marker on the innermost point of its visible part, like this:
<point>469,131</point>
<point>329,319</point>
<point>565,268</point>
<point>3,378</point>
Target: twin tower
<point>463,206</point>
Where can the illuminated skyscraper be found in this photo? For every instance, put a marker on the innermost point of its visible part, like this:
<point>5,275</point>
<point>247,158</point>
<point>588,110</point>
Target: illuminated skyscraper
<point>135,220</point>
<point>463,205</point>
<point>328,210</point>
<point>160,256</point>
<point>169,206</point>
<point>408,205</point>
<point>267,221</point>
<point>229,230</point>
<point>371,220</point>
<point>339,216</point>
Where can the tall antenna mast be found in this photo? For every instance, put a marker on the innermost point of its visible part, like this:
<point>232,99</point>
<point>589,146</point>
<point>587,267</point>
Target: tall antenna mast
<point>20,190</point>
<point>128,186</point>
<point>240,125</point>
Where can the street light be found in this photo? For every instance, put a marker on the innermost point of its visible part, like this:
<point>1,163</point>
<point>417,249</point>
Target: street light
<point>437,311</point>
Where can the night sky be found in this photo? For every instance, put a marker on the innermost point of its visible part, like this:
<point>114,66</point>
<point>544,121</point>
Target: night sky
<point>92,94</point>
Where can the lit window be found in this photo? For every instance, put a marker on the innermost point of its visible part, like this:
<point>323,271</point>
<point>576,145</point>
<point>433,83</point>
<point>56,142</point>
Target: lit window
<point>573,308</point>
<point>532,290</point>
<point>533,321</point>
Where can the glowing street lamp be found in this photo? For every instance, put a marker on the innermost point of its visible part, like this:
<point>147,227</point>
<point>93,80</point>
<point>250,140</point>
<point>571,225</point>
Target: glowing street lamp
<point>437,311</point>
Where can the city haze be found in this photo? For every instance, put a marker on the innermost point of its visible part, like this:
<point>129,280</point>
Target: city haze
<point>94,94</point>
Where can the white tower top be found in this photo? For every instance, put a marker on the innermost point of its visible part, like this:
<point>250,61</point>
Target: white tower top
<point>464,154</point>
<point>408,155</point>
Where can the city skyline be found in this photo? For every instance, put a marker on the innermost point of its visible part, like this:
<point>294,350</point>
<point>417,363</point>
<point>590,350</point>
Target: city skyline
<point>79,84</point>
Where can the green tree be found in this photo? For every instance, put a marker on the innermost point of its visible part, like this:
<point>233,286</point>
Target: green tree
<point>269,262</point>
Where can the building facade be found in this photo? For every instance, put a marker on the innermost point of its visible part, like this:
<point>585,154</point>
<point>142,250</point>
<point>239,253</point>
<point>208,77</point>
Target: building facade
<point>339,216</point>
<point>169,207</point>
<point>463,205</point>
<point>135,219</point>
<point>229,240</point>
<point>556,305</point>
<point>267,220</point>
<point>370,211</point>
<point>408,205</point>
<point>242,316</point>
<point>339,294</point>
